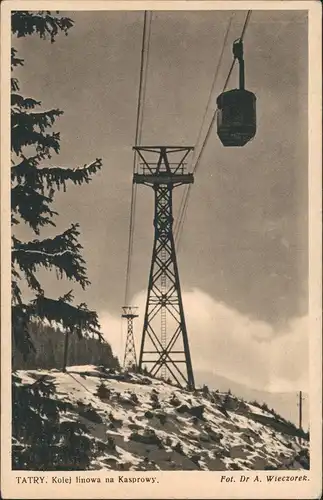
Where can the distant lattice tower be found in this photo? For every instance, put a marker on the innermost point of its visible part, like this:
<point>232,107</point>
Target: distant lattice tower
<point>130,359</point>
<point>164,346</point>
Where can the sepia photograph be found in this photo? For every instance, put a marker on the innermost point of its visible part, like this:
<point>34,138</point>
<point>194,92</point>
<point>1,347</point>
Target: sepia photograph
<point>158,312</point>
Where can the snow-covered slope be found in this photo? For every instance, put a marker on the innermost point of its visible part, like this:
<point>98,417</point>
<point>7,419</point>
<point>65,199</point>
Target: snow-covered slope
<point>142,423</point>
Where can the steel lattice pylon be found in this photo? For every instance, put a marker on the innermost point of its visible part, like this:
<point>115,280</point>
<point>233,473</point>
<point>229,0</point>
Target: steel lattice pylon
<point>164,345</point>
<point>130,359</point>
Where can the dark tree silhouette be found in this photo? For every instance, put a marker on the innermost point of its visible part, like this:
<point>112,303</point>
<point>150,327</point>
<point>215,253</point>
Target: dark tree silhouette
<point>42,440</point>
<point>34,182</point>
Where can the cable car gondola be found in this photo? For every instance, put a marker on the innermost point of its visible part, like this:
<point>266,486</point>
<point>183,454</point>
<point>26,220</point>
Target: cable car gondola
<point>236,116</point>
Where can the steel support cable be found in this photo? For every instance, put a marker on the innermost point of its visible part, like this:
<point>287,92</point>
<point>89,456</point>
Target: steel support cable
<point>143,78</point>
<point>140,117</point>
<point>245,25</point>
<point>223,90</point>
<point>197,163</point>
<point>139,123</point>
<point>215,78</point>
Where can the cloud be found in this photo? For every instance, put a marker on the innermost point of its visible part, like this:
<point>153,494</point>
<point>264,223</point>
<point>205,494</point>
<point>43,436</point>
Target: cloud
<point>230,344</point>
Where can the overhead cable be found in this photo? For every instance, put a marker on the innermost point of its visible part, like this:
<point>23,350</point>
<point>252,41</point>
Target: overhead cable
<point>139,123</point>
<point>215,78</point>
<point>197,163</point>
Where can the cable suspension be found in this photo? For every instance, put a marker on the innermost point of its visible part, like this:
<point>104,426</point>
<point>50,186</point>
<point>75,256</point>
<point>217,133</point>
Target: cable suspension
<point>185,200</point>
<point>139,122</point>
<point>241,40</point>
<point>143,79</point>
<point>215,78</point>
<point>245,25</point>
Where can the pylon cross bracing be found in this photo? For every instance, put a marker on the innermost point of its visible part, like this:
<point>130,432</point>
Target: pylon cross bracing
<point>130,358</point>
<point>164,348</point>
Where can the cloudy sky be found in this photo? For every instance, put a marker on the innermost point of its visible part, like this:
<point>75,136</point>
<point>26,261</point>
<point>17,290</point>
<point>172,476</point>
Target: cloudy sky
<point>243,254</point>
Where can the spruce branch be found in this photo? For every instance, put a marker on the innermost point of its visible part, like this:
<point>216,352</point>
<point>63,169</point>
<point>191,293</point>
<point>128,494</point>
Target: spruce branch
<point>23,103</point>
<point>20,319</point>
<point>44,144</point>
<point>59,176</point>
<point>67,297</point>
<point>28,172</point>
<point>14,221</point>
<point>14,84</point>
<point>75,319</point>
<point>61,252</point>
<point>32,207</point>
<point>28,129</point>
<point>43,23</point>
<point>16,297</point>
<point>15,61</point>
<point>21,120</point>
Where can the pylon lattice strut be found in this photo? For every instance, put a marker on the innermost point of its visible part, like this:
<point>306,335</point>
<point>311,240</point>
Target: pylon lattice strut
<point>164,344</point>
<point>130,358</point>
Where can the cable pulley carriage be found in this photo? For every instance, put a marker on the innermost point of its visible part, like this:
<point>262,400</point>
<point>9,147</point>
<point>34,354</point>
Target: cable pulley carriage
<point>236,116</point>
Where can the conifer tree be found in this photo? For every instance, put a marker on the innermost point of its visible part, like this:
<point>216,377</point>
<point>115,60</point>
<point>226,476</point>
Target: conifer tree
<point>34,182</point>
<point>41,439</point>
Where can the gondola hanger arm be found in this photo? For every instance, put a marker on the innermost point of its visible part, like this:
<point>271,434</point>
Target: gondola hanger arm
<point>237,49</point>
